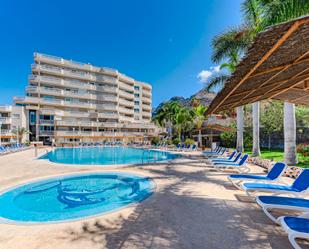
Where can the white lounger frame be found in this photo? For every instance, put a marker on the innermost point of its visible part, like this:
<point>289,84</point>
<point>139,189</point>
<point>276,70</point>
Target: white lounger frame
<point>293,235</point>
<point>266,209</point>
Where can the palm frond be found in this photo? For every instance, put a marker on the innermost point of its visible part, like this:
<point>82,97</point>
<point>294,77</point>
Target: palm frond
<point>217,81</point>
<point>280,11</point>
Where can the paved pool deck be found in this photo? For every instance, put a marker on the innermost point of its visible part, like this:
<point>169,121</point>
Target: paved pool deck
<point>193,207</point>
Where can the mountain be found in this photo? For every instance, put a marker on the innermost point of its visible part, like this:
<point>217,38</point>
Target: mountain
<point>203,96</point>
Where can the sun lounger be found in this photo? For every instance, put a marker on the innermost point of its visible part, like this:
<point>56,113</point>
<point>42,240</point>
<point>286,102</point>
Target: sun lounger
<point>296,227</point>
<point>273,175</point>
<point>241,166</point>
<point>215,151</point>
<point>299,186</point>
<point>224,159</point>
<point>283,203</point>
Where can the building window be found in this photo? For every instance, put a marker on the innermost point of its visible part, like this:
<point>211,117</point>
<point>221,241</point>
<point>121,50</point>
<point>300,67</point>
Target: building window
<point>136,88</point>
<point>136,95</point>
<point>16,115</point>
<point>136,110</point>
<point>136,102</point>
<point>32,117</point>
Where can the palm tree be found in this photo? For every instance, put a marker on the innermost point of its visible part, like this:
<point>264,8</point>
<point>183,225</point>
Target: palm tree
<point>166,114</point>
<point>256,129</point>
<point>199,119</point>
<point>20,133</point>
<point>290,155</point>
<point>231,45</point>
<point>182,117</point>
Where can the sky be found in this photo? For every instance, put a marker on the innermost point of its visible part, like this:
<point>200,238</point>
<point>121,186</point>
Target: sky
<point>166,43</point>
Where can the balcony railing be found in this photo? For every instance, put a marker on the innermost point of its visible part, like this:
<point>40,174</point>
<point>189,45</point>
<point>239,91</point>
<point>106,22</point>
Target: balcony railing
<point>125,94</point>
<point>5,108</point>
<point>74,64</point>
<point>6,132</point>
<point>5,120</point>
<point>46,122</point>
<point>126,102</point>
<point>46,133</point>
<point>46,111</point>
<point>108,115</point>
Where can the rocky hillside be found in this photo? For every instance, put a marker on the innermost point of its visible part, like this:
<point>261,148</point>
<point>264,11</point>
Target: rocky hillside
<point>203,96</point>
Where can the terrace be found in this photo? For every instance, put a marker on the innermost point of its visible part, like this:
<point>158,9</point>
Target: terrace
<point>192,207</point>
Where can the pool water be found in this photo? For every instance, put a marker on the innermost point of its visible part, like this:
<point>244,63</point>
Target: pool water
<point>107,155</point>
<point>73,197</point>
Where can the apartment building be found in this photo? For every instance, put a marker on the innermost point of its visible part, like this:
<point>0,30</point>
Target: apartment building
<point>70,101</point>
<point>11,118</point>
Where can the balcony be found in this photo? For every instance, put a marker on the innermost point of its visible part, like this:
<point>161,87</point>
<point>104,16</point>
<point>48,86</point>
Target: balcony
<point>126,87</point>
<point>46,122</point>
<point>146,100</point>
<point>54,112</point>
<point>103,97</point>
<point>46,133</point>
<point>74,64</point>
<point>146,93</point>
<point>5,108</point>
<point>126,119</point>
<point>125,110</point>
<point>78,104</point>
<point>106,107</point>
<point>107,115</point>
<point>5,120</point>
<point>26,100</point>
<point>146,114</point>
<point>125,94</point>
<point>146,107</point>
<point>76,114</point>
<point>6,133</point>
<point>53,102</point>
<point>126,78</point>
<point>106,79</point>
<point>126,102</point>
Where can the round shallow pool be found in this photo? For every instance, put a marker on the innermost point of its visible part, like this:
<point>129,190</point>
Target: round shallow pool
<point>107,155</point>
<point>72,197</point>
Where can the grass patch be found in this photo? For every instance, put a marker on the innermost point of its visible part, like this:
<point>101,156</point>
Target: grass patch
<point>278,155</point>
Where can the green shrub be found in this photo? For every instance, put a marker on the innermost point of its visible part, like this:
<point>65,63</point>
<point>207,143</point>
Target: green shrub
<point>189,141</point>
<point>155,140</point>
<point>228,139</point>
<point>176,141</point>
<point>168,142</point>
<point>303,149</point>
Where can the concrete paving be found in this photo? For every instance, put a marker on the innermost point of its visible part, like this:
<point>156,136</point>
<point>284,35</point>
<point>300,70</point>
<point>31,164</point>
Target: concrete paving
<point>193,207</point>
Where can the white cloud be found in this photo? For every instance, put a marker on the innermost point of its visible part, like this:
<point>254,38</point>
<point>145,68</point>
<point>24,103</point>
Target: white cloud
<point>204,75</point>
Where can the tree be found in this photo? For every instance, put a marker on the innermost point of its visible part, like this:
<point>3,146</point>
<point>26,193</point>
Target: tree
<point>231,45</point>
<point>256,129</point>
<point>20,133</point>
<point>290,156</point>
<point>181,118</point>
<point>272,118</point>
<point>166,114</point>
<point>199,118</point>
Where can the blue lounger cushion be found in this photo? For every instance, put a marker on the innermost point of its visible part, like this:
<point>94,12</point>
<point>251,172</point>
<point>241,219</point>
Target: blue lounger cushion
<point>284,201</point>
<point>257,186</point>
<point>297,224</point>
<point>273,174</point>
<point>253,177</point>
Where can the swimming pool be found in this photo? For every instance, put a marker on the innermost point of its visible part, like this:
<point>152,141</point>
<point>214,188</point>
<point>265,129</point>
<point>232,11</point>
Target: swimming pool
<point>107,155</point>
<point>72,197</point>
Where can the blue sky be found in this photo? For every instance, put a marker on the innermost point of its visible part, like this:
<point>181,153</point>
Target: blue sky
<point>163,42</point>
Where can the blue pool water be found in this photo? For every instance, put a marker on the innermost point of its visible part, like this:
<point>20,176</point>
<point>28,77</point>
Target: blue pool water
<point>107,155</point>
<point>73,197</point>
